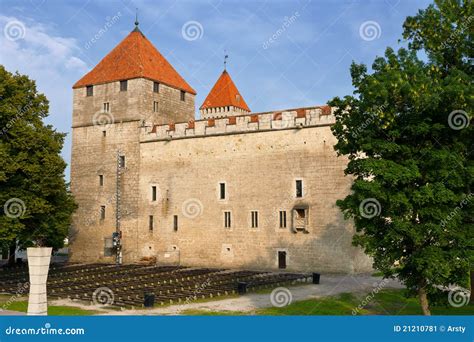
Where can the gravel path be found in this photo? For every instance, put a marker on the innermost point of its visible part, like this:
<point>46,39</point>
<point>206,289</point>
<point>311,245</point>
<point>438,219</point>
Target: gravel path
<point>330,285</point>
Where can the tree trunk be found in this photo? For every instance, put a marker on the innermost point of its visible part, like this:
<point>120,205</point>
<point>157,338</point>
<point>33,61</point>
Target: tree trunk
<point>472,287</point>
<point>11,254</point>
<point>424,301</point>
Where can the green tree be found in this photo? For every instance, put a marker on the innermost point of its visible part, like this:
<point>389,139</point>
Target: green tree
<point>35,203</point>
<point>406,133</point>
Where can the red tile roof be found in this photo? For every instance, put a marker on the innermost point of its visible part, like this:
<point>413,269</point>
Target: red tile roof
<point>224,93</point>
<point>134,57</point>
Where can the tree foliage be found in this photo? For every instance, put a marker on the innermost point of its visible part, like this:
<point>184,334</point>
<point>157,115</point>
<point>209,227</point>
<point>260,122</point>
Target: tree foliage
<point>35,204</point>
<point>406,133</point>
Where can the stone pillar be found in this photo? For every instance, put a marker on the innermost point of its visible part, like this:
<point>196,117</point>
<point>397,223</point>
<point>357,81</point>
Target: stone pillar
<point>38,266</point>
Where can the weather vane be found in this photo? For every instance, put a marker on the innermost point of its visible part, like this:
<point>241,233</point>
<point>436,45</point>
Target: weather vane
<point>136,17</point>
<point>225,59</point>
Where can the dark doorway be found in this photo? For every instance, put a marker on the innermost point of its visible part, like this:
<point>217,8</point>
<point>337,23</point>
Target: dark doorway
<point>281,259</point>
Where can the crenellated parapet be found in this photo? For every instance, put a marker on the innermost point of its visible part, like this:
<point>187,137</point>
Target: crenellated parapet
<point>255,122</point>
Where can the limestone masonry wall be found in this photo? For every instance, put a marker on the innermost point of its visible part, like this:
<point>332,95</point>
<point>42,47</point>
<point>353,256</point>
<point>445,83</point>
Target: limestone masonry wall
<point>259,157</point>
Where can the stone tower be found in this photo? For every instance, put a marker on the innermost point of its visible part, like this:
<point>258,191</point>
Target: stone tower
<point>132,85</point>
<point>224,100</point>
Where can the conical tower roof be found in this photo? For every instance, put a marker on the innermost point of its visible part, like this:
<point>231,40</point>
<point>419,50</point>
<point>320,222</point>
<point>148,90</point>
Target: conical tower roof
<point>135,57</point>
<point>224,93</point>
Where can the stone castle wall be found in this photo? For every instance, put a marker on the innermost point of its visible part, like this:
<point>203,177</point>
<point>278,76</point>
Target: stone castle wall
<point>258,157</point>
<point>259,161</point>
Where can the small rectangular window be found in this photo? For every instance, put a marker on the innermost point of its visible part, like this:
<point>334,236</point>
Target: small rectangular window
<point>221,191</point>
<point>227,219</point>
<point>254,219</point>
<point>282,219</point>
<point>123,85</point>
<point>155,106</point>
<point>102,212</point>
<point>183,94</point>
<point>175,223</point>
<point>150,223</point>
<point>299,188</point>
<point>104,133</point>
<point>106,107</point>
<point>101,180</point>
<point>153,193</point>
<point>156,87</point>
<point>90,90</point>
<point>122,161</point>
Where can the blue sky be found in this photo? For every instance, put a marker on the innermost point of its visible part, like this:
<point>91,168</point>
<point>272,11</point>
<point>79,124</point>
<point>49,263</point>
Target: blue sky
<point>282,54</point>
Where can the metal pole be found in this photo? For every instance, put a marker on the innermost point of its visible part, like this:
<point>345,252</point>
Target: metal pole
<point>118,257</point>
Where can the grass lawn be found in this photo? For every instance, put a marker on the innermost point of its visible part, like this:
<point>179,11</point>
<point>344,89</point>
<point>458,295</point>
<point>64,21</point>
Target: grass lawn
<point>22,306</point>
<point>386,302</point>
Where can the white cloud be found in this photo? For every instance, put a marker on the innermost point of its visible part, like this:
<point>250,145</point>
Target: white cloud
<point>34,49</point>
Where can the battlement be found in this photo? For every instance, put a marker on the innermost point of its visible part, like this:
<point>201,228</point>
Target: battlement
<point>254,122</point>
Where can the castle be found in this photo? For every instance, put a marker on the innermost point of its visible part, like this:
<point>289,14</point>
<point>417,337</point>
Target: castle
<point>234,189</point>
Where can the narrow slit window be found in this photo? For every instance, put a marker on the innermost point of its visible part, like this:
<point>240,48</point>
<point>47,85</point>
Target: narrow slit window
<point>282,219</point>
<point>254,219</point>
<point>102,212</point>
<point>155,106</point>
<point>106,107</point>
<point>299,188</point>
<point>153,193</point>
<point>227,219</point>
<point>221,191</point>
<point>150,223</point>
<point>104,134</point>
<point>183,95</point>
<point>101,180</point>
<point>175,223</point>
